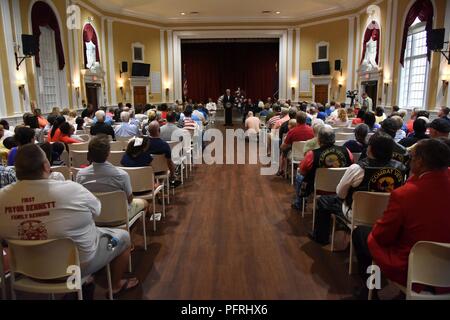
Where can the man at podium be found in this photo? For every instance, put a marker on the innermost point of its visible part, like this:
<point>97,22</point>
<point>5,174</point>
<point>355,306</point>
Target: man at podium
<point>228,103</point>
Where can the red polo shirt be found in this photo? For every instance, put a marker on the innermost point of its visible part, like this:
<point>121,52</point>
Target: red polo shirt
<point>299,133</point>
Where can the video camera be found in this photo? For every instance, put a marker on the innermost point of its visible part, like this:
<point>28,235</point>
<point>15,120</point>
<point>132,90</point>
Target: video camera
<point>352,95</point>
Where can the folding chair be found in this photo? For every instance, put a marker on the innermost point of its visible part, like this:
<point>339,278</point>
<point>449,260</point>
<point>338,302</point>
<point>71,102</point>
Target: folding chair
<point>115,157</point>
<point>64,170</point>
<point>143,183</point>
<point>42,266</point>
<point>296,156</point>
<point>114,214</point>
<point>78,159</point>
<point>161,170</point>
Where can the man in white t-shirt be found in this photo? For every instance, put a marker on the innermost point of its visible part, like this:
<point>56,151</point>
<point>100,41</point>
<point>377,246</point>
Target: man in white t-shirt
<point>38,208</point>
<point>212,108</point>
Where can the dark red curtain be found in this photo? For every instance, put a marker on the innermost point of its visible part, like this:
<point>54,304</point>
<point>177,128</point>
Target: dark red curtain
<point>89,34</point>
<point>367,36</point>
<point>43,16</point>
<point>211,68</point>
<point>422,9</point>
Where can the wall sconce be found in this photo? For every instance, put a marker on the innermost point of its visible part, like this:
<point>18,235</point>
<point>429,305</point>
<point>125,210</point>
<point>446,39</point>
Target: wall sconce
<point>167,92</point>
<point>387,83</point>
<point>444,85</point>
<point>77,91</point>
<point>21,85</point>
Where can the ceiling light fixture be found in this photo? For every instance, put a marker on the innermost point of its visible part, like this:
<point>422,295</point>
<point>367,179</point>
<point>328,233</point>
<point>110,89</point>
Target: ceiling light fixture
<point>182,13</point>
<point>278,12</point>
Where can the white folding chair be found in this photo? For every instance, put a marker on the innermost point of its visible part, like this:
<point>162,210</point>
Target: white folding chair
<point>65,158</point>
<point>143,186</point>
<point>64,170</point>
<point>115,158</point>
<point>74,172</point>
<point>178,158</point>
<point>114,214</point>
<point>78,159</point>
<point>43,266</point>
<point>367,208</point>
<point>296,156</point>
<point>325,181</point>
<point>161,171</point>
<point>85,137</point>
<point>345,136</point>
<point>340,143</point>
<point>116,146</point>
<point>428,264</point>
<point>82,146</point>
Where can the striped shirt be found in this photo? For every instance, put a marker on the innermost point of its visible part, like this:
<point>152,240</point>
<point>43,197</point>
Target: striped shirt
<point>273,121</point>
<point>189,124</point>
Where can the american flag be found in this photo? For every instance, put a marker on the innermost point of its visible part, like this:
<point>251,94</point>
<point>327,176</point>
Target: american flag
<point>185,83</point>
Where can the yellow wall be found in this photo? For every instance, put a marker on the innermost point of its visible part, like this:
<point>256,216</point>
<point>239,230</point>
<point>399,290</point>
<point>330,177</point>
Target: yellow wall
<point>336,34</point>
<point>5,73</point>
<point>150,38</point>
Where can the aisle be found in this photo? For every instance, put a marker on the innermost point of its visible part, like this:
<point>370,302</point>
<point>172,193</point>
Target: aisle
<point>230,234</point>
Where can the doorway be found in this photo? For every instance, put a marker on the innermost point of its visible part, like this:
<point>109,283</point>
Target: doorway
<point>92,94</point>
<point>140,95</point>
<point>321,93</point>
<point>371,88</point>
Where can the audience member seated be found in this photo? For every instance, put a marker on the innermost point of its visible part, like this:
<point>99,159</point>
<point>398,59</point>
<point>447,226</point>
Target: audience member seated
<point>70,214</point>
<point>188,122</point>
<point>41,120</point>
<point>137,154</point>
<point>252,124</point>
<point>6,133</point>
<point>301,132</point>
<point>341,120</point>
<point>444,113</point>
<point>55,131</point>
<point>7,176</point>
<point>79,123</point>
<point>100,127</point>
<point>105,118</point>
<point>159,146</point>
<point>380,116</point>
<point>369,119</point>
<point>417,211</point>
<point>400,133</point>
<point>102,176</point>
<point>284,129</point>
<point>321,114</point>
<point>284,117</point>
<point>31,121</point>
<point>439,128</point>
<point>327,156</point>
<point>360,116</point>
<point>359,145</point>
<point>400,153</point>
<point>420,129</point>
<point>358,178</point>
<point>22,136</point>
<point>272,118</point>
<point>66,131</point>
<point>313,144</point>
<point>170,130</point>
<point>125,129</point>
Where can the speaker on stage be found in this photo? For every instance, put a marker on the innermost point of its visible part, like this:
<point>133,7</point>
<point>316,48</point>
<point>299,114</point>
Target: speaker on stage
<point>435,39</point>
<point>124,66</point>
<point>337,65</point>
<point>29,45</point>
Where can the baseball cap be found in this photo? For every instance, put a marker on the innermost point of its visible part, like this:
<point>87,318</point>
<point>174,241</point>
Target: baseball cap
<point>440,125</point>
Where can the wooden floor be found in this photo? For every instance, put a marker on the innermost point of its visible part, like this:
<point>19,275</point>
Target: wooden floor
<point>230,233</point>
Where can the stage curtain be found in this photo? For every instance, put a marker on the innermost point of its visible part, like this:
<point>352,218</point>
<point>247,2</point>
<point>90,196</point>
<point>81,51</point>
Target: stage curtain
<point>422,9</point>
<point>42,15</point>
<point>89,34</point>
<point>367,36</point>
<point>211,68</point>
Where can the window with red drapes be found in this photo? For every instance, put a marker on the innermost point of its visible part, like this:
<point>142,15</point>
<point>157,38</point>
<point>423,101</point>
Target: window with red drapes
<point>42,15</point>
<point>89,35</point>
<point>422,9</point>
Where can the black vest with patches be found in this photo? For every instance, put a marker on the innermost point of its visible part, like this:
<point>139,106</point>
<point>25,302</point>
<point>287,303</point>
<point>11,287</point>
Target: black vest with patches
<point>328,157</point>
<point>379,177</point>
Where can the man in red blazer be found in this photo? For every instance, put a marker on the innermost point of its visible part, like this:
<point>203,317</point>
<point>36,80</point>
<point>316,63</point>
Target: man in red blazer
<point>417,211</point>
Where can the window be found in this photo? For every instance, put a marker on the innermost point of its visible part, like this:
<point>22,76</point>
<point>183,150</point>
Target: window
<point>414,74</point>
<point>138,52</point>
<point>322,51</point>
<point>48,77</point>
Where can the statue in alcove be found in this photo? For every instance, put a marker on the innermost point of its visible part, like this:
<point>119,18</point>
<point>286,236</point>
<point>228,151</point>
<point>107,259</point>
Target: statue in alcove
<point>369,62</point>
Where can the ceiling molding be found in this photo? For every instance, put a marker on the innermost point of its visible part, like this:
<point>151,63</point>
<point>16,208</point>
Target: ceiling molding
<point>159,22</point>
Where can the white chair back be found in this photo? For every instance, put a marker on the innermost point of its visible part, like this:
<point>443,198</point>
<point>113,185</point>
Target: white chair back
<point>64,170</point>
<point>345,136</point>
<point>159,163</point>
<point>429,264</point>
<point>297,150</point>
<point>340,143</point>
<point>85,137</point>
<point>43,260</point>
<point>327,179</point>
<point>142,178</point>
<point>115,157</point>
<point>78,159</point>
<point>116,145</point>
<point>65,158</point>
<point>114,209</point>
<point>83,146</point>
<point>74,173</point>
<point>368,207</point>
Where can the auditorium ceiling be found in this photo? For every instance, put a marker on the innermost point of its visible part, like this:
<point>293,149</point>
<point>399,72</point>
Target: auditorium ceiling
<point>219,11</point>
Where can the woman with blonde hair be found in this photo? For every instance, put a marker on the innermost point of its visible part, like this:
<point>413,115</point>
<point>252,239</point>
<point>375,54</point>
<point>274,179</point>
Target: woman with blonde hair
<point>341,120</point>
